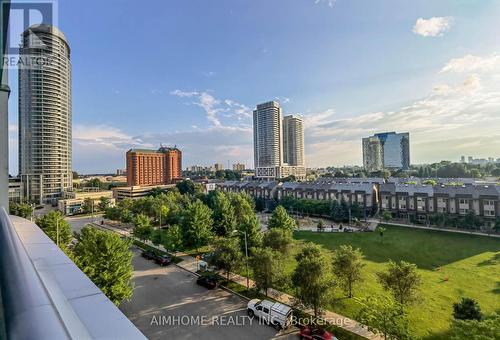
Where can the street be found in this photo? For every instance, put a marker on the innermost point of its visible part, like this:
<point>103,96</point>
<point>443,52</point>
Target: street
<point>78,222</point>
<point>168,304</point>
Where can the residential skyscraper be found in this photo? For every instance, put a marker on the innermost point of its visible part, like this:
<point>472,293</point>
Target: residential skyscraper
<point>268,143</point>
<point>293,141</point>
<point>45,164</point>
<point>389,150</point>
<point>268,139</point>
<point>154,167</point>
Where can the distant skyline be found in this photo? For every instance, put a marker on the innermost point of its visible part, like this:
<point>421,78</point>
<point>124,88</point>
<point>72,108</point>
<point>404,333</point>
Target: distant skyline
<point>189,73</point>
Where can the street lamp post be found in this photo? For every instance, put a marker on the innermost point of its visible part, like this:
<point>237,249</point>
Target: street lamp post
<point>246,254</point>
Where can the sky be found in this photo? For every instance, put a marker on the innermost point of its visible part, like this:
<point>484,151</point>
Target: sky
<point>190,72</point>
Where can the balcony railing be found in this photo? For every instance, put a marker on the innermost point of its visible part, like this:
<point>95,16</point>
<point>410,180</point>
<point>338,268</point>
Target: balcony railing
<point>44,295</point>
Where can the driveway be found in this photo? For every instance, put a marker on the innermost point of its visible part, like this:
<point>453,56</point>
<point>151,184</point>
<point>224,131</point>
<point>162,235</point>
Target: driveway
<point>167,304</point>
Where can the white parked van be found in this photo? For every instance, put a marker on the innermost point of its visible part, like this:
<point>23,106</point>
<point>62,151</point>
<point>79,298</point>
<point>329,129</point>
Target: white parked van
<point>273,313</point>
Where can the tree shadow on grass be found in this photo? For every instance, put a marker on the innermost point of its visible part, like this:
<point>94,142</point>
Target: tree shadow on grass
<point>496,290</point>
<point>495,259</point>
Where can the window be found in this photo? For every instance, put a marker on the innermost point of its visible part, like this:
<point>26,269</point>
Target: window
<point>266,310</point>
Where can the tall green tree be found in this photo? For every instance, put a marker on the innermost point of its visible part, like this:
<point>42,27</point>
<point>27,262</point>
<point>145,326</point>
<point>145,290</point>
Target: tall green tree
<point>267,269</point>
<point>281,220</point>
<point>56,227</point>
<point>104,203</point>
<point>88,206</point>
<point>106,259</point>
<point>142,227</point>
<point>226,255</point>
<point>382,315</point>
<point>23,210</point>
<point>223,214</point>
<point>196,225</point>
<point>172,239</point>
<point>347,267</point>
<point>186,187</point>
<point>312,278</point>
<point>246,220</point>
<point>402,280</point>
<point>278,239</point>
<point>486,329</point>
<point>467,309</point>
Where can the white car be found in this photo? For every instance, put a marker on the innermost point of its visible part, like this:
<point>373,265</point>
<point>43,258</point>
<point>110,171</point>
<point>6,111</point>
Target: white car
<point>273,313</point>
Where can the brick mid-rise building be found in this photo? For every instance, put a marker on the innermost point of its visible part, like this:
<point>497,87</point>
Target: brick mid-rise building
<point>153,167</point>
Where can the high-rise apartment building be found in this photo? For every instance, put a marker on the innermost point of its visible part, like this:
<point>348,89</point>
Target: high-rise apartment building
<point>293,141</point>
<point>389,150</point>
<point>238,167</point>
<point>218,166</point>
<point>268,141</point>
<point>153,167</point>
<point>269,147</point>
<point>45,164</point>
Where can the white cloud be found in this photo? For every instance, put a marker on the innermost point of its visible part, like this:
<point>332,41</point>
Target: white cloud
<point>330,3</point>
<point>219,112</point>
<point>472,63</point>
<point>442,125</point>
<point>433,27</point>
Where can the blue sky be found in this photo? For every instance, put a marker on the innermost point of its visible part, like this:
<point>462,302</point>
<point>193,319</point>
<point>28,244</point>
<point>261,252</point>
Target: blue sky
<point>189,73</point>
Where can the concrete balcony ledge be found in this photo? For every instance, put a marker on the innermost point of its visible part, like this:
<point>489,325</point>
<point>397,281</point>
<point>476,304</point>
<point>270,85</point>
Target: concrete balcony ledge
<point>46,296</point>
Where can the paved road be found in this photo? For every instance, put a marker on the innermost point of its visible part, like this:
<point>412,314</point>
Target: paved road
<point>78,222</point>
<point>166,292</point>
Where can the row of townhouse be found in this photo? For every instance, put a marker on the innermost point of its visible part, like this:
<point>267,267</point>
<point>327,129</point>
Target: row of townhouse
<point>402,200</point>
<point>364,194</point>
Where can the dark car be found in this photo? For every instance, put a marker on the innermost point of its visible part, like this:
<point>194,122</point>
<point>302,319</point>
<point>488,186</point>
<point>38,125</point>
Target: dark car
<point>310,333</point>
<point>208,281</point>
<point>148,254</point>
<point>163,260</point>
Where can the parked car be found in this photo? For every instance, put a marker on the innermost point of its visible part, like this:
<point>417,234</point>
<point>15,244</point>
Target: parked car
<point>311,333</point>
<point>163,260</point>
<point>274,313</point>
<point>208,281</point>
<point>148,254</point>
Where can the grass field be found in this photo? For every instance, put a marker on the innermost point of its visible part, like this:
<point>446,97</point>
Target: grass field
<point>471,264</point>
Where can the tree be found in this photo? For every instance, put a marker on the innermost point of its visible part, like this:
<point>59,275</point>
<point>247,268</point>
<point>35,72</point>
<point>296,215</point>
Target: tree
<point>281,220</point>
<point>467,309</point>
<point>226,255</point>
<point>56,227</point>
<point>381,231</point>
<point>386,215</point>
<point>23,210</point>
<point>267,269</point>
<point>402,280</point>
<point>103,204</point>
<point>172,239</point>
<point>347,266</point>
<point>186,187</point>
<point>88,205</point>
<point>278,240</point>
<point>383,315</point>
<point>142,227</point>
<point>160,211</point>
<point>312,278</point>
<point>246,220</point>
<point>488,328</point>
<point>196,225</point>
<point>223,213</point>
<point>106,259</point>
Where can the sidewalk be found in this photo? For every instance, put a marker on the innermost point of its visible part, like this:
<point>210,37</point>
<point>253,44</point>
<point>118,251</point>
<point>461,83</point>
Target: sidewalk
<point>190,264</point>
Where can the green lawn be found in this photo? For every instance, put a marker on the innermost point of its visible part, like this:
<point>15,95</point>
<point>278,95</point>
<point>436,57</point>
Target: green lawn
<point>471,264</point>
